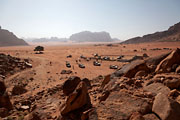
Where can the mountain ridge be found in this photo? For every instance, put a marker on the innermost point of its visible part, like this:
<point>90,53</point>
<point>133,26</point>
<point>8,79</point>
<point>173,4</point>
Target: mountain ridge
<point>8,38</point>
<point>170,35</point>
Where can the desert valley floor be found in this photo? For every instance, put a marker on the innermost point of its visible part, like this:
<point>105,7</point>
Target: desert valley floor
<point>44,80</point>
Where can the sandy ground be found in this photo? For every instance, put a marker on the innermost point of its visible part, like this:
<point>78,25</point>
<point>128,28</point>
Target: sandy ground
<point>47,75</point>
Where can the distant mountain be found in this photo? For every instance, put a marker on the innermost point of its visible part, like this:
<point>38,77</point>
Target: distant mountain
<point>172,34</point>
<point>52,39</point>
<point>87,36</point>
<point>9,39</point>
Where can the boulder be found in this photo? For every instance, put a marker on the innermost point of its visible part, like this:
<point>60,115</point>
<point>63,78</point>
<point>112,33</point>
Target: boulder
<point>156,88</point>
<point>70,85</point>
<point>166,64</point>
<point>166,108</point>
<point>129,70</point>
<point>77,99</point>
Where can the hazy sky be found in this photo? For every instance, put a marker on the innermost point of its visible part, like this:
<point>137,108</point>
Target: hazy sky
<point>121,18</point>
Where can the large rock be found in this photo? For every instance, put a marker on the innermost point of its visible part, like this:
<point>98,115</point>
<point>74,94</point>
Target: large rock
<point>156,88</point>
<point>166,64</point>
<point>129,70</point>
<point>70,85</point>
<point>77,99</point>
<point>120,105</point>
<point>166,108</point>
<point>157,59</point>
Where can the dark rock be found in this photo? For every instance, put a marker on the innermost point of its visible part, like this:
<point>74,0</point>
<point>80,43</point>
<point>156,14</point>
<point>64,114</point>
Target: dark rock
<point>88,83</point>
<point>4,112</point>
<point>18,90</point>
<point>66,72</point>
<point>70,85</point>
<point>77,99</point>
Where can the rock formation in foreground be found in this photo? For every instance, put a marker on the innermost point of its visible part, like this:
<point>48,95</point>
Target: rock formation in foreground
<point>170,35</point>
<point>9,39</point>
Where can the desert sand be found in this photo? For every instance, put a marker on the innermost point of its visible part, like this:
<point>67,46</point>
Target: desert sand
<point>45,75</point>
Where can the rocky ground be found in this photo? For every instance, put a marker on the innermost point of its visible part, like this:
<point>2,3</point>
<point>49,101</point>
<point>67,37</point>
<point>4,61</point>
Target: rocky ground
<point>41,87</point>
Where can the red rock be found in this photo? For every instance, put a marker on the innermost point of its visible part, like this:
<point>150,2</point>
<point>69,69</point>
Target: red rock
<point>156,88</point>
<point>70,85</point>
<point>129,70</point>
<point>166,108</point>
<point>136,116</point>
<point>168,62</point>
<point>77,99</point>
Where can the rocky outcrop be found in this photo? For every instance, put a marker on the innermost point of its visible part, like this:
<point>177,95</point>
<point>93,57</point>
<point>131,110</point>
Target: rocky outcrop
<point>130,70</point>
<point>166,64</point>
<point>10,65</point>
<point>77,102</point>
<point>9,39</point>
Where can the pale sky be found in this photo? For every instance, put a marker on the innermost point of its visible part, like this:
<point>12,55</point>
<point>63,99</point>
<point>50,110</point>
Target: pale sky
<point>123,19</point>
